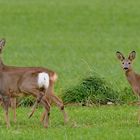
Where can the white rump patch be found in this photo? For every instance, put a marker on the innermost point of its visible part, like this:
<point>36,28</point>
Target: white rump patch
<point>43,80</point>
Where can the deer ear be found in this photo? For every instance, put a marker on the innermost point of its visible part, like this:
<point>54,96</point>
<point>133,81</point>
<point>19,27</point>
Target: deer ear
<point>120,56</point>
<point>2,43</point>
<point>132,55</point>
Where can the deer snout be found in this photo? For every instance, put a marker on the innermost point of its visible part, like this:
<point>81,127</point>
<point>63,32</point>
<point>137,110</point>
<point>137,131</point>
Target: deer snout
<point>125,68</point>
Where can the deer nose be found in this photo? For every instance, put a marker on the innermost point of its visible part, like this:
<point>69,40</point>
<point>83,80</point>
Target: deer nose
<point>125,68</point>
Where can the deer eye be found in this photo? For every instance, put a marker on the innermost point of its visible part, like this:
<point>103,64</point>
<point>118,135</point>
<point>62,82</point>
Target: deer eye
<point>129,63</point>
<point>123,63</point>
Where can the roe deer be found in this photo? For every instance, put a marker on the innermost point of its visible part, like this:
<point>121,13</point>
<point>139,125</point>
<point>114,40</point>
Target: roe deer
<point>33,83</point>
<point>132,77</point>
<point>28,71</point>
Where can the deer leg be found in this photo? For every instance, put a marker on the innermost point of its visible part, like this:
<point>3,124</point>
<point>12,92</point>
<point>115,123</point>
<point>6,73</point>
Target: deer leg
<point>13,105</point>
<point>38,100</point>
<point>44,113</point>
<point>60,104</point>
<point>57,101</point>
<point>6,102</point>
<point>47,112</point>
<point>40,96</point>
<point>43,116</point>
<point>36,93</point>
<point>139,111</point>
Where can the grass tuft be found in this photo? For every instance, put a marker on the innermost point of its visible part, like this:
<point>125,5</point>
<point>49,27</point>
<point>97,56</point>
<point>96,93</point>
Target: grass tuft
<point>96,90</point>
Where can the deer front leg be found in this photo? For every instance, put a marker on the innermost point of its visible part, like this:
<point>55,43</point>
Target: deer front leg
<point>13,105</point>
<point>6,102</point>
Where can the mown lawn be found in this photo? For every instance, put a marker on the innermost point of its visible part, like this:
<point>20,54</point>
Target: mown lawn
<point>85,123</point>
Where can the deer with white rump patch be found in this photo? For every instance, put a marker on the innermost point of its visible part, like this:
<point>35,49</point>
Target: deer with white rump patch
<point>32,80</point>
<point>13,83</point>
<point>132,77</point>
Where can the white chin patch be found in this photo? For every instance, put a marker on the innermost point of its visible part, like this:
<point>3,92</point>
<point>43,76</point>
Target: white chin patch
<point>43,80</point>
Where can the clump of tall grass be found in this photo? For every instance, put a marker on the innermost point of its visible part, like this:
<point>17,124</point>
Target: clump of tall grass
<point>96,90</point>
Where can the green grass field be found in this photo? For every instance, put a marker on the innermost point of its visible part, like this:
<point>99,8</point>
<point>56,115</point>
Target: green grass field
<point>73,38</point>
<point>99,123</point>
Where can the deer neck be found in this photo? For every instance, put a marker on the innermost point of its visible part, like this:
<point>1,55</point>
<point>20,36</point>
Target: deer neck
<point>131,77</point>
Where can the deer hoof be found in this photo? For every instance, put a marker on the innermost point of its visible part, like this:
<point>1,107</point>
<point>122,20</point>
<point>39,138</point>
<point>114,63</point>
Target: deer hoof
<point>45,125</point>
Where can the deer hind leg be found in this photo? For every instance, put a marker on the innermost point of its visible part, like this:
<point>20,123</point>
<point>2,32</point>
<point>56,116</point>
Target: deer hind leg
<point>47,111</point>
<point>43,116</point>
<point>60,104</point>
<point>38,100</point>
<point>57,101</point>
<point>53,98</point>
<point>13,105</point>
<point>44,113</point>
<point>6,102</point>
<point>35,105</point>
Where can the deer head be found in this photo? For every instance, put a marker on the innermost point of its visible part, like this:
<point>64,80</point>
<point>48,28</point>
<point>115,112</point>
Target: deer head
<point>2,44</point>
<point>126,62</point>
